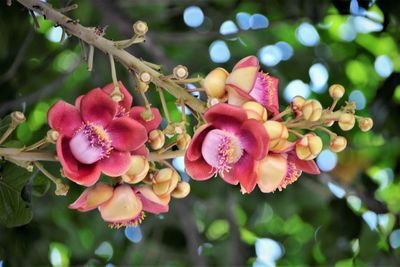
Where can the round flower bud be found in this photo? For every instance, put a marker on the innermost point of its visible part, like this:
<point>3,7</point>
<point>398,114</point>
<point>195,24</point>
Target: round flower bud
<point>183,140</point>
<point>365,124</point>
<point>278,135</point>
<point>214,83</point>
<point>337,144</point>
<point>297,104</point>
<point>165,181</point>
<point>312,110</point>
<point>180,72</point>
<point>346,121</point>
<point>137,171</point>
<point>181,190</point>
<point>140,27</point>
<point>156,139</point>
<point>308,147</point>
<point>255,111</point>
<point>336,91</point>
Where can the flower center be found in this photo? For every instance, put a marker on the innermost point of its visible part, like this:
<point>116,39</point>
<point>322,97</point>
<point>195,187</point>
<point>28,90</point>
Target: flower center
<point>221,149</point>
<point>292,174</point>
<point>121,112</point>
<point>261,91</point>
<point>90,143</point>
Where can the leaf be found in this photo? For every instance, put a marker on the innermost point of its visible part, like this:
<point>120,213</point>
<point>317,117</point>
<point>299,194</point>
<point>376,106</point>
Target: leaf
<point>14,211</point>
<point>4,123</point>
<point>40,185</point>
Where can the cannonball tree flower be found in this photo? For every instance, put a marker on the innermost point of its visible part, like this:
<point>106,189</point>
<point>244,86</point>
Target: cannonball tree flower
<point>246,82</point>
<point>95,137</point>
<point>281,168</point>
<point>228,145</point>
<point>122,205</point>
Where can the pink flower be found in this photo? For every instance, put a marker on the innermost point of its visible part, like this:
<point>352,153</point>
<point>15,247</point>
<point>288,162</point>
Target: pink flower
<point>122,205</point>
<point>277,170</point>
<point>228,145</point>
<point>96,135</point>
<point>246,82</point>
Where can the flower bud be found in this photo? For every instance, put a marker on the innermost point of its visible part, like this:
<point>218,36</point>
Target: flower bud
<point>156,139</point>
<point>255,111</point>
<point>52,136</point>
<point>165,181</point>
<point>336,91</point>
<point>143,87</point>
<point>145,77</point>
<point>278,135</point>
<point>308,147</point>
<point>365,124</point>
<point>180,72</point>
<point>181,190</point>
<point>140,28</point>
<point>137,171</point>
<point>297,104</point>
<point>18,117</point>
<point>312,110</point>
<point>214,83</point>
<point>337,144</point>
<point>346,121</point>
<point>183,140</point>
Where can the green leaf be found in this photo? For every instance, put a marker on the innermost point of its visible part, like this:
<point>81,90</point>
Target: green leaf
<point>14,211</point>
<point>4,123</point>
<point>40,185</point>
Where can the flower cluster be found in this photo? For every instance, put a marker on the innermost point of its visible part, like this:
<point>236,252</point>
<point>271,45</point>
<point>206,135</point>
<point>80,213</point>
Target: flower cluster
<point>100,134</point>
<point>247,140</point>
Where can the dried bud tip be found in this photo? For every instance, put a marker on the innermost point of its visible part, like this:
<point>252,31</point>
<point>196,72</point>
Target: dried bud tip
<point>336,91</point>
<point>18,117</point>
<point>140,28</point>
<point>145,77</point>
<point>147,114</point>
<point>180,72</point>
<point>52,136</point>
<point>61,189</point>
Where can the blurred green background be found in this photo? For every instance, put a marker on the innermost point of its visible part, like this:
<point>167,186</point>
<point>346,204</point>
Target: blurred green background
<point>347,216</point>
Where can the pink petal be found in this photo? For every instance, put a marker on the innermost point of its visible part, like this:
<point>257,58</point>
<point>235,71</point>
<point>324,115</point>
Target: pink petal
<point>150,201</point>
<point>226,117</point>
<point>78,101</point>
<point>141,151</point>
<point>127,101</point>
<point>116,164</point>
<point>77,172</point>
<point>254,139</point>
<point>250,61</point>
<point>229,178</point>
<point>308,166</point>
<point>244,170</point>
<point>126,134</point>
<point>92,197</point>
<point>265,92</point>
<point>150,125</point>
<point>98,107</point>
<point>199,169</point>
<point>194,150</point>
<point>64,118</point>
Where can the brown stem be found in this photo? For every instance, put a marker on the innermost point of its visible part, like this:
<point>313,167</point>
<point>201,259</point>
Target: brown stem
<point>128,60</point>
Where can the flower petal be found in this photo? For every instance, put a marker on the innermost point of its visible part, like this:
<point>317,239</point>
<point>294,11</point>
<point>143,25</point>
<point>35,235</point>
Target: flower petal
<point>83,174</point>
<point>149,125</point>
<point>123,206</point>
<point>237,97</point>
<point>116,164</point>
<point>199,169</point>
<point>127,101</point>
<point>98,107</point>
<point>271,171</point>
<point>265,92</point>
<point>194,150</point>
<point>151,202</point>
<point>64,118</point>
<point>92,197</point>
<point>226,117</point>
<point>308,166</point>
<point>254,139</point>
<point>141,151</point>
<point>243,75</point>
<point>244,171</point>
<point>229,178</point>
<point>78,101</point>
<point>126,134</point>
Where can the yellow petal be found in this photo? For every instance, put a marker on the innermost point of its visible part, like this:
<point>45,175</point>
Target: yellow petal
<point>270,172</point>
<point>243,78</point>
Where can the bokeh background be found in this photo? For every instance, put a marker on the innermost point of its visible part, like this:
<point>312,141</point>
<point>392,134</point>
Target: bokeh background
<point>347,216</point>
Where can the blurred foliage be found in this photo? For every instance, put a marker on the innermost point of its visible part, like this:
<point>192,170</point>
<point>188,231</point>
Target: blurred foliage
<point>353,224</point>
